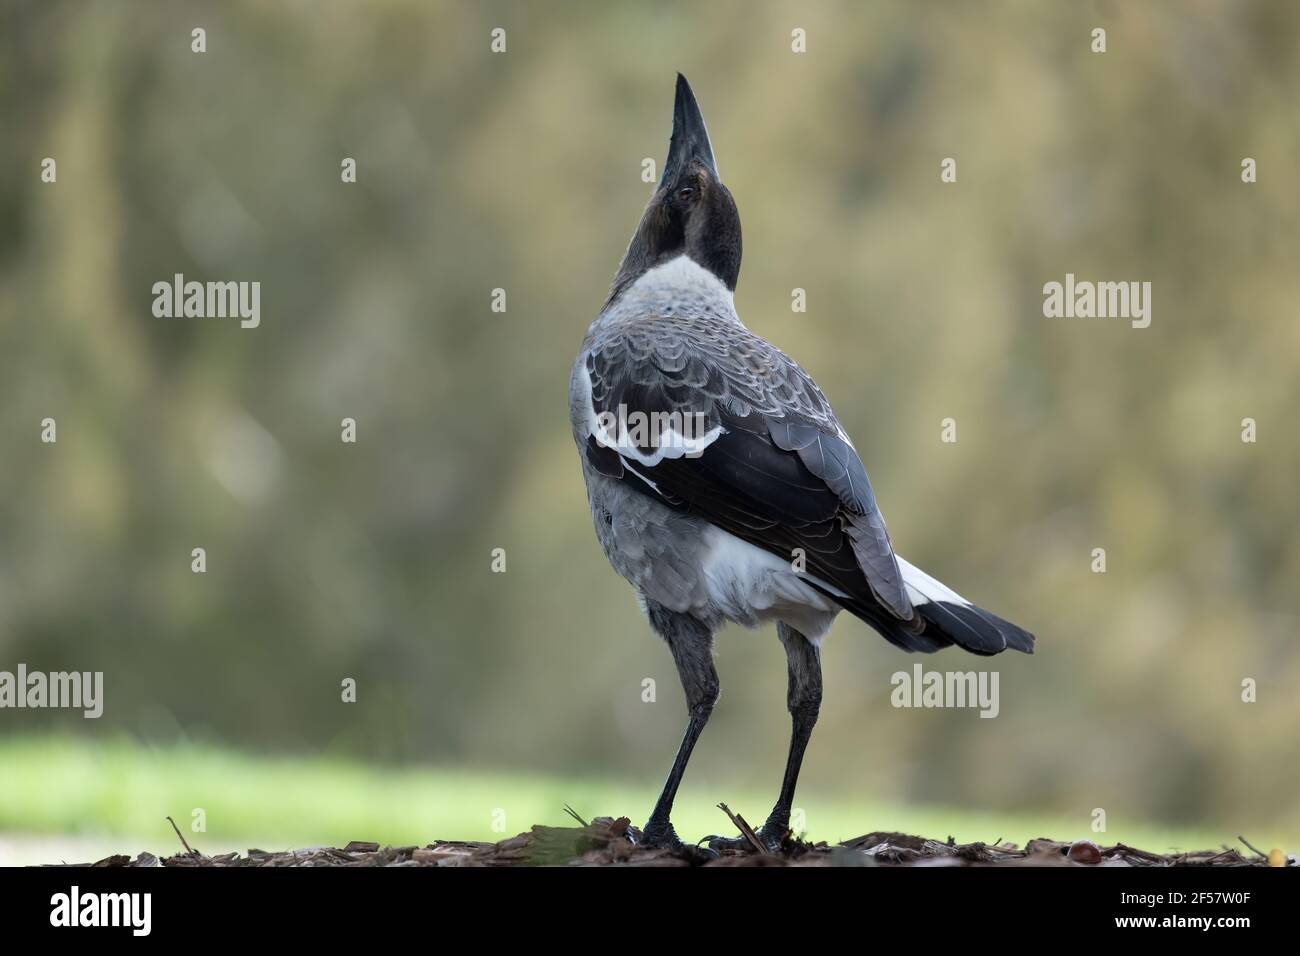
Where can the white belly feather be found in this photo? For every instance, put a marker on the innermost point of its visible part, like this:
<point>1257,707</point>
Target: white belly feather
<point>750,585</point>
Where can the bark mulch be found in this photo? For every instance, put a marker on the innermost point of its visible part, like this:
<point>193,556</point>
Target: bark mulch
<point>611,842</point>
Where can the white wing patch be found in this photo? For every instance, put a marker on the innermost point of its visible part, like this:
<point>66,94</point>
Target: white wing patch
<point>923,589</point>
<point>627,432</point>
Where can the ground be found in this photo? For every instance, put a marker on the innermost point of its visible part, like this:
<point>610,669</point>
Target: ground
<point>612,842</point>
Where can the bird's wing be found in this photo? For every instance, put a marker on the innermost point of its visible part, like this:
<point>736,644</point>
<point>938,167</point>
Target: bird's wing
<point>714,420</point>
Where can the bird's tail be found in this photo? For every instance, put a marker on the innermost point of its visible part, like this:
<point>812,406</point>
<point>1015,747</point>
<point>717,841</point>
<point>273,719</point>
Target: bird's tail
<point>943,618</point>
<point>951,619</point>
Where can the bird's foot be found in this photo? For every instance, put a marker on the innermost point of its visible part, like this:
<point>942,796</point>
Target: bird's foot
<point>657,836</point>
<point>771,836</point>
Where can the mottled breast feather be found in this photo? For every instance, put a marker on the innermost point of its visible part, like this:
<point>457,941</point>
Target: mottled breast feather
<point>781,473</point>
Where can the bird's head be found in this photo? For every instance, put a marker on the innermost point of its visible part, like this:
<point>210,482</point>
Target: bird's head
<point>691,212</point>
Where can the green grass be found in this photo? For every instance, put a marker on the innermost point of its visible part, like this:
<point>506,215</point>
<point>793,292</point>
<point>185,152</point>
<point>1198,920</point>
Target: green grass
<point>121,792</point>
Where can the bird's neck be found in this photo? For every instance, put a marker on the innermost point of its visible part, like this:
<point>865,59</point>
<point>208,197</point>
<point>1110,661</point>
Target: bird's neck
<point>678,286</point>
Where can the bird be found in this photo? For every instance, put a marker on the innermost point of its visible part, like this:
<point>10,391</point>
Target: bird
<point>722,486</point>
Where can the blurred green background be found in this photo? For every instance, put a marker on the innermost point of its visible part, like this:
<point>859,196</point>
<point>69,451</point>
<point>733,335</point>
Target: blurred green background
<point>480,692</point>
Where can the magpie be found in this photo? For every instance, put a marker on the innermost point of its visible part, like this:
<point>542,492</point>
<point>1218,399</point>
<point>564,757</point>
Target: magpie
<point>721,484</point>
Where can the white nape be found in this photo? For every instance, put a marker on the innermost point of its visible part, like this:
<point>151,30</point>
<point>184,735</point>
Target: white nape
<point>685,281</point>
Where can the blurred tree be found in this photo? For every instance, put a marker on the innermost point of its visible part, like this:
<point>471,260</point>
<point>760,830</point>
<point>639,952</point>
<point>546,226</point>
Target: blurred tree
<point>521,171</point>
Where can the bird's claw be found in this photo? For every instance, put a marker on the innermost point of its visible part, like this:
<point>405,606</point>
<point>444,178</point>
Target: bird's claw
<point>666,838</point>
<point>770,838</point>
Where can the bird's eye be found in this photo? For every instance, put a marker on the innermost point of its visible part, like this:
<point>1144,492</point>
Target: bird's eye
<point>685,193</point>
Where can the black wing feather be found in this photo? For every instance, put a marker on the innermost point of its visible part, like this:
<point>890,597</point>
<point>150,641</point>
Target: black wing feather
<point>780,475</point>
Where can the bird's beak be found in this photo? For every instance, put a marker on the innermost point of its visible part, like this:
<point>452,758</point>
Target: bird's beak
<point>690,138</point>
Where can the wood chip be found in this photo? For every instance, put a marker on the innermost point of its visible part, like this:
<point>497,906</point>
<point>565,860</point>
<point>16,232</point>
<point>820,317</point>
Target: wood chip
<point>607,841</point>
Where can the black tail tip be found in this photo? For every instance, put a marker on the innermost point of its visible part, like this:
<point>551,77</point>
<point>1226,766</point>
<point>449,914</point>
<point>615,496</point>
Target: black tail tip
<point>974,629</point>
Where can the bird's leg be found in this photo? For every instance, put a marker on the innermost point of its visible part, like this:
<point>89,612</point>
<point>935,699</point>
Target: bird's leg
<point>803,699</point>
<point>691,644</point>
